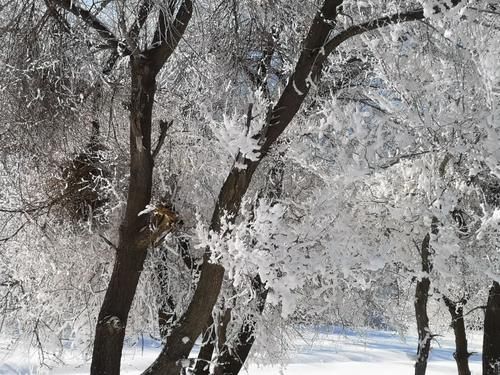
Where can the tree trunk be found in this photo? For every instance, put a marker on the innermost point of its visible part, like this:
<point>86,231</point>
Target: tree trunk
<point>202,366</point>
<point>231,361</point>
<point>491,339</point>
<point>461,354</point>
<point>424,334</point>
<point>134,233</point>
<point>421,298</point>
<point>187,329</point>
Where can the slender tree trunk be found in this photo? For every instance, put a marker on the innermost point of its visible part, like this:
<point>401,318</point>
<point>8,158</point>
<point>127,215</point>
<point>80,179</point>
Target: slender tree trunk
<point>491,339</point>
<point>421,298</point>
<point>133,240</point>
<point>202,366</point>
<point>231,361</point>
<point>461,354</point>
<point>424,334</point>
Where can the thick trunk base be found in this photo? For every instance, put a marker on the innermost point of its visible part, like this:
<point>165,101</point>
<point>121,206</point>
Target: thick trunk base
<point>110,329</point>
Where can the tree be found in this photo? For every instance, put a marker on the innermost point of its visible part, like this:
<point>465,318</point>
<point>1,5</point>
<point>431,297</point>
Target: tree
<point>135,233</point>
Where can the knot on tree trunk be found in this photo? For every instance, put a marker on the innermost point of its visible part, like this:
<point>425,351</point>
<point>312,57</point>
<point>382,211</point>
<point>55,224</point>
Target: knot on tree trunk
<point>113,324</point>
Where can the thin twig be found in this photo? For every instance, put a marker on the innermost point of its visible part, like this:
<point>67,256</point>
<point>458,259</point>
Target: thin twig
<point>108,242</point>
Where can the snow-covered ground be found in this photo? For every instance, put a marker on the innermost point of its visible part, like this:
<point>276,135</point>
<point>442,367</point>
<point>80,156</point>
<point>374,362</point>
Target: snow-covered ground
<point>319,351</point>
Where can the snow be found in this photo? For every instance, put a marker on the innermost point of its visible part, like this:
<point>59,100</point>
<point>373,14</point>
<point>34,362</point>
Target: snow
<point>319,351</point>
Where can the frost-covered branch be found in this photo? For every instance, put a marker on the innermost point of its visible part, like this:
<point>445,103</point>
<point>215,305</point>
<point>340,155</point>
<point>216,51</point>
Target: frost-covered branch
<point>92,21</point>
<point>412,15</point>
<point>169,33</point>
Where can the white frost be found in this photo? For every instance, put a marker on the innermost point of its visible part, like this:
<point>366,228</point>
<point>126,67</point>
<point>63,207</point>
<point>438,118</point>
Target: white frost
<point>297,89</point>
<point>149,208</point>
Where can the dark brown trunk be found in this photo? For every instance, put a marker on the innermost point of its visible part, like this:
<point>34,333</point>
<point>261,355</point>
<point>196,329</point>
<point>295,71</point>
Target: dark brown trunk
<point>134,234</point>
<point>202,366</point>
<point>187,329</point>
<point>110,330</point>
<point>133,241</point>
<point>421,298</point>
<point>424,334</point>
<point>491,339</point>
<point>232,357</point>
<point>231,361</point>
<point>461,354</point>
<point>190,325</point>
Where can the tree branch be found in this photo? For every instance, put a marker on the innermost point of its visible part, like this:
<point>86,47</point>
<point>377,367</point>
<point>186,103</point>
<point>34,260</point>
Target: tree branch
<point>92,21</point>
<point>55,14</point>
<point>412,15</point>
<point>108,242</point>
<point>168,35</point>
<point>164,126</point>
<point>110,62</point>
<point>142,16</point>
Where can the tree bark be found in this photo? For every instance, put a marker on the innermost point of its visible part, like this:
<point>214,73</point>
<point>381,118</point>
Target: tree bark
<point>461,354</point>
<point>424,334</point>
<point>491,339</point>
<point>134,234</point>
<point>133,239</point>
<point>231,361</point>
<point>421,298</point>
<point>202,366</point>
